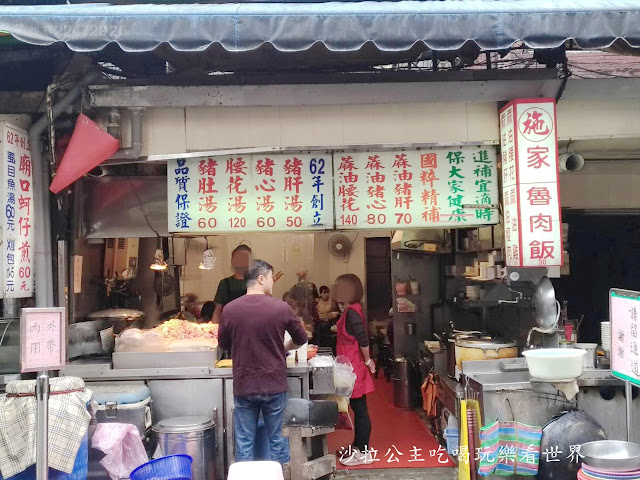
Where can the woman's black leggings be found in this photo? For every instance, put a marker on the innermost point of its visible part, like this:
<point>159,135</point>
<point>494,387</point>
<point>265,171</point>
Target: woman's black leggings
<point>362,423</point>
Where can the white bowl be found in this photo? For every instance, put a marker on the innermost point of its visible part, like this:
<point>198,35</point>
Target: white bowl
<point>555,363</point>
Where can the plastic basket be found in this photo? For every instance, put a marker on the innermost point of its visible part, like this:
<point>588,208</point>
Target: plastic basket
<point>173,467</point>
<point>452,437</point>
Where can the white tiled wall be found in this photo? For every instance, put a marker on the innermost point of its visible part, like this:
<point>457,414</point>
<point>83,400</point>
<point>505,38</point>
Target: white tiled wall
<point>194,129</point>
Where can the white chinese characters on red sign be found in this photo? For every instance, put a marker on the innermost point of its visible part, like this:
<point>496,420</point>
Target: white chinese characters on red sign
<point>42,339</point>
<point>453,187</point>
<point>250,193</point>
<point>16,190</point>
<point>531,200</point>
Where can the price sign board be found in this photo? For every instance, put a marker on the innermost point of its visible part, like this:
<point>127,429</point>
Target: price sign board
<point>43,339</point>
<point>530,188</point>
<point>251,193</point>
<point>453,187</point>
<point>16,198</point>
<point>624,310</point>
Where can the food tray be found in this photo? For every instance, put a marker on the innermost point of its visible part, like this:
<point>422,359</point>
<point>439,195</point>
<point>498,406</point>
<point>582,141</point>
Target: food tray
<point>513,364</point>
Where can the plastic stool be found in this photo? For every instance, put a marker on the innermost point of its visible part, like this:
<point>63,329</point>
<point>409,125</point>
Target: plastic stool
<point>253,470</point>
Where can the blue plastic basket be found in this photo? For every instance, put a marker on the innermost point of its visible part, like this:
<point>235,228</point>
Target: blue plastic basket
<point>173,467</point>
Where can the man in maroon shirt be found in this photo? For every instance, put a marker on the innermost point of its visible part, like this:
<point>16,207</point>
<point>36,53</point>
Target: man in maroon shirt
<point>253,327</point>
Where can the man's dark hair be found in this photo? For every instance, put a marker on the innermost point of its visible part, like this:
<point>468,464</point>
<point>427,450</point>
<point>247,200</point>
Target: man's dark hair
<point>257,268</point>
<point>206,313</point>
<point>241,247</point>
<point>324,288</point>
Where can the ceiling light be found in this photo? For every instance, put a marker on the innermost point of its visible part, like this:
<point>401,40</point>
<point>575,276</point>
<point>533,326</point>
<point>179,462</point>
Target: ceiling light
<point>159,263</point>
<point>208,260</point>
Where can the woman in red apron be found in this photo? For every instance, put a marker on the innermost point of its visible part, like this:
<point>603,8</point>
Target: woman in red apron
<point>353,342</point>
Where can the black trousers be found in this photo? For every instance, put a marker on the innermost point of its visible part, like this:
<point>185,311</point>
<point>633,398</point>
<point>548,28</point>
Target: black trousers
<point>362,425</point>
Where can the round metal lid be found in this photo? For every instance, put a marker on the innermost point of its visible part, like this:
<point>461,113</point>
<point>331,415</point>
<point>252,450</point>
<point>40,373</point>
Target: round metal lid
<point>486,343</point>
<point>183,425</point>
<point>119,313</point>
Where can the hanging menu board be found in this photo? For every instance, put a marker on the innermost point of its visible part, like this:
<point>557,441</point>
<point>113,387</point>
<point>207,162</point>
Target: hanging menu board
<point>624,308</point>
<point>530,188</point>
<point>250,193</point>
<point>16,191</point>
<point>453,187</point>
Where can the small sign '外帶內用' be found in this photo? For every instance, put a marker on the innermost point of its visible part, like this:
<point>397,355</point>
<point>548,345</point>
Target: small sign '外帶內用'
<point>42,339</point>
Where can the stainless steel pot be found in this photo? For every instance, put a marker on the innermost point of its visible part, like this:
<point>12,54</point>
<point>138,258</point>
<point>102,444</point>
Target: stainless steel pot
<point>84,338</point>
<point>451,348</point>
<point>483,348</point>
<point>193,436</point>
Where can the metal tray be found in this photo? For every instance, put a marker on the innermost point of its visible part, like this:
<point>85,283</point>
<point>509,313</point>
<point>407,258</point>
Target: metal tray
<point>201,358</point>
<point>513,364</point>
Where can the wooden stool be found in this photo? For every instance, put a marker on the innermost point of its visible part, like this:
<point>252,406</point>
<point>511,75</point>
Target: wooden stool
<point>310,459</point>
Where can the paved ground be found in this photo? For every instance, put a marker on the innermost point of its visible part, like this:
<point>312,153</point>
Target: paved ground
<point>399,474</point>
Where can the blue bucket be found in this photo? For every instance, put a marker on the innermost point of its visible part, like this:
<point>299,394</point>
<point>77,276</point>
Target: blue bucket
<point>173,467</point>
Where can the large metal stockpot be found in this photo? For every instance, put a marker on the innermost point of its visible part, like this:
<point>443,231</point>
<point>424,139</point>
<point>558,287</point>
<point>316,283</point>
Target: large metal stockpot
<point>451,348</point>
<point>470,349</point>
<point>193,436</point>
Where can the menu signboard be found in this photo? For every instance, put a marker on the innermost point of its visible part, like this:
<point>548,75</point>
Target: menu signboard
<point>452,187</point>
<point>624,307</point>
<point>16,193</point>
<point>530,189</point>
<point>250,193</point>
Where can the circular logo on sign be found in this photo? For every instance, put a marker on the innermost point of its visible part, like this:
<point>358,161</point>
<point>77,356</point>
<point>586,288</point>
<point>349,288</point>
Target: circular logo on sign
<point>535,124</point>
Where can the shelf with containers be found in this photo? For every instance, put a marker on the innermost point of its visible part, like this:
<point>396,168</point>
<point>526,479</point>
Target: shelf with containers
<point>471,271</point>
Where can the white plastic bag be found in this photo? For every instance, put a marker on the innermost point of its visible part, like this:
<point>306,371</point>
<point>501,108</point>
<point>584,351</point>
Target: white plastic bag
<point>344,378</point>
<point>122,444</point>
<point>320,361</point>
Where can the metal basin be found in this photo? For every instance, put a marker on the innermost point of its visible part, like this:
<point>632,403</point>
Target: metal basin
<point>506,379</point>
<point>611,455</point>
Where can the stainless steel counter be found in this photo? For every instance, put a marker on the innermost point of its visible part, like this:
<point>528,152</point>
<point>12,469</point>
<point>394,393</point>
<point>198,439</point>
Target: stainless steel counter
<point>489,374</point>
<point>190,391</point>
<point>536,402</point>
<point>98,372</point>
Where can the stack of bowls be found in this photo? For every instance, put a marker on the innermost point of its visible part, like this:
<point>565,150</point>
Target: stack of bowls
<point>605,335</point>
<point>610,460</point>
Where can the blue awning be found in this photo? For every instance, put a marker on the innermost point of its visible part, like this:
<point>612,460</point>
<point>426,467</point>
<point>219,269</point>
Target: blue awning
<point>340,26</point>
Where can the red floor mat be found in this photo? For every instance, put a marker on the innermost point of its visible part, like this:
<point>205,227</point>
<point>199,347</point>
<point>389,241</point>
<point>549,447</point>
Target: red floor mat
<point>400,437</point>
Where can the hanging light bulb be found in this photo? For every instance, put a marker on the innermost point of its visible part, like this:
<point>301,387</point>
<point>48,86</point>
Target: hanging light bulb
<point>208,260</point>
<point>159,263</point>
